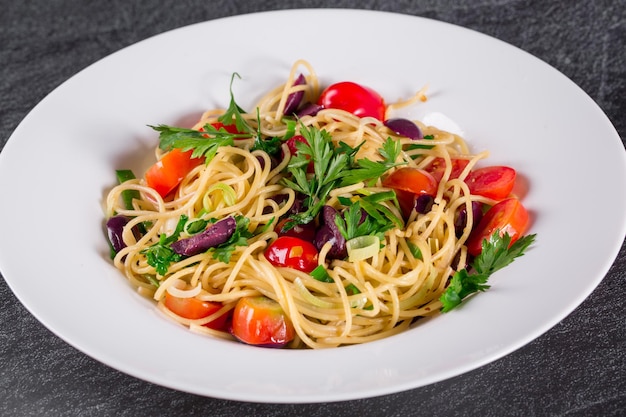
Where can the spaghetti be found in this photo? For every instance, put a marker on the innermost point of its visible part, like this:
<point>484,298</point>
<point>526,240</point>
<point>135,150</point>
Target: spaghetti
<point>359,300</point>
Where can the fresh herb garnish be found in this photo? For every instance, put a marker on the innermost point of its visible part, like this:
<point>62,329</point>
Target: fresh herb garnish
<point>369,171</point>
<point>234,113</point>
<point>379,217</point>
<point>128,196</point>
<point>240,237</point>
<point>204,143</point>
<point>334,166</point>
<point>160,255</point>
<point>196,226</point>
<point>328,166</point>
<point>270,146</point>
<point>495,255</point>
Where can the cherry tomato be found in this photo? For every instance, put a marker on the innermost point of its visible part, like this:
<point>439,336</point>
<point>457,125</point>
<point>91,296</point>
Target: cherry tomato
<point>261,321</point>
<point>291,144</point>
<point>218,125</point>
<point>194,308</point>
<point>437,167</point>
<point>292,252</point>
<point>354,98</point>
<point>507,216</point>
<point>495,182</point>
<point>409,183</point>
<point>302,231</point>
<point>165,175</point>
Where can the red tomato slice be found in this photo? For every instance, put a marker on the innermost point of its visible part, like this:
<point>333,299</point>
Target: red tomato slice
<point>292,252</point>
<point>193,309</point>
<point>165,175</point>
<point>437,167</point>
<point>409,183</point>
<point>508,216</point>
<point>495,182</point>
<point>261,321</point>
<point>354,98</point>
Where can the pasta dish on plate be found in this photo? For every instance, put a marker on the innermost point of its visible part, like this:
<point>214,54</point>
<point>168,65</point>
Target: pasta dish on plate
<point>314,220</point>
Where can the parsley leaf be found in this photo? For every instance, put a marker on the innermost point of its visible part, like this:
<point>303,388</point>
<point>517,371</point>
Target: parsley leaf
<point>234,113</point>
<point>379,218</point>
<point>367,170</point>
<point>205,142</point>
<point>160,255</point>
<point>349,225</point>
<point>185,139</point>
<point>495,255</point>
<point>334,166</point>
<point>270,146</point>
<point>328,165</point>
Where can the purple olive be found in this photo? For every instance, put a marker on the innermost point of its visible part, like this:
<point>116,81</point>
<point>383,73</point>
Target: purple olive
<point>280,198</point>
<point>423,203</point>
<point>455,264</point>
<point>309,109</point>
<point>115,228</point>
<point>404,127</point>
<point>215,235</point>
<point>461,218</point>
<point>298,204</point>
<point>328,215</point>
<point>261,161</point>
<point>294,99</point>
<point>329,232</point>
<point>273,162</point>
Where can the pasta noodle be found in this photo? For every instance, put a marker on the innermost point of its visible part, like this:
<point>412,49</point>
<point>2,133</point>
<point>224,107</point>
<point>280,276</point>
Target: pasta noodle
<point>364,300</point>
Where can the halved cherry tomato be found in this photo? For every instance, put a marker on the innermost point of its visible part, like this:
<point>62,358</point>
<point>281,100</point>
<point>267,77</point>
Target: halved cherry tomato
<point>261,321</point>
<point>194,308</point>
<point>438,166</point>
<point>409,183</point>
<point>507,216</point>
<point>292,252</point>
<point>354,98</point>
<point>165,175</point>
<point>495,182</point>
<point>301,231</point>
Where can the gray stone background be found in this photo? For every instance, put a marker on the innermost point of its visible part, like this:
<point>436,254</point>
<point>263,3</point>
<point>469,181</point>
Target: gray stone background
<point>578,368</point>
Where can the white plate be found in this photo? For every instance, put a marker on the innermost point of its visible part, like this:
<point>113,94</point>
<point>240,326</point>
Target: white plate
<point>60,161</point>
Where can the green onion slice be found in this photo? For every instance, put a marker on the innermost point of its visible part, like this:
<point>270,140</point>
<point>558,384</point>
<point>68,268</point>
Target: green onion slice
<point>362,247</point>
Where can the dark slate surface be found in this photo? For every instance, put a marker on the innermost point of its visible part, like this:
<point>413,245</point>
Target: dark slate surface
<point>578,368</point>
